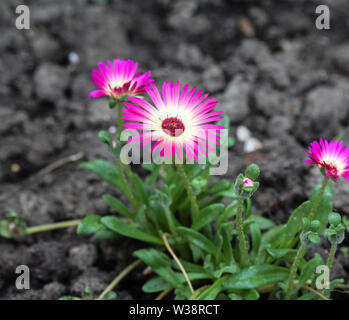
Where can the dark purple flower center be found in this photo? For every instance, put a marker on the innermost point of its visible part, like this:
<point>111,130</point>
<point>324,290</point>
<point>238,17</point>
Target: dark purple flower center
<point>173,127</point>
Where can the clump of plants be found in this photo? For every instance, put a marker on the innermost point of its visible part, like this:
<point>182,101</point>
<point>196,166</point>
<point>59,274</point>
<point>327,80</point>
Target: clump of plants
<point>197,247</point>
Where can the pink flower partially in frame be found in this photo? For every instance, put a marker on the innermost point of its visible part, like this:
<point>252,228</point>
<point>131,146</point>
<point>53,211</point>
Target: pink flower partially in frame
<point>179,121</point>
<point>118,79</point>
<point>332,157</point>
<point>247,182</point>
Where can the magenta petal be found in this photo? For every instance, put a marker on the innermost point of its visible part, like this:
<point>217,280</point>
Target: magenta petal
<point>97,94</point>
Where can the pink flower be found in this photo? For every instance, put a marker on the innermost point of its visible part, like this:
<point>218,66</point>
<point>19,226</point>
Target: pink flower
<point>248,182</point>
<point>118,79</point>
<point>178,121</point>
<point>332,157</point>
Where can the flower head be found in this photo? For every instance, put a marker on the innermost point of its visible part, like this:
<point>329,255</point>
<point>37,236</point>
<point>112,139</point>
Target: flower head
<point>332,157</point>
<point>179,120</point>
<point>248,182</point>
<point>118,79</point>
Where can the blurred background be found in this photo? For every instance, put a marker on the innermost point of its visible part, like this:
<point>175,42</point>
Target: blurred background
<point>282,82</point>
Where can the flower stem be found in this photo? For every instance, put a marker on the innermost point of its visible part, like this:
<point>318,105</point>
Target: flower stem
<point>318,199</point>
<point>123,166</point>
<point>119,118</point>
<point>188,187</point>
<point>241,235</point>
<point>331,256</point>
<point>293,270</point>
<point>125,184</point>
<point>52,226</point>
<point>301,249</point>
<point>120,276</point>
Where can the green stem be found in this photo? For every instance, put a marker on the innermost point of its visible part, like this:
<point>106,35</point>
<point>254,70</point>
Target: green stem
<point>125,185</point>
<point>318,199</point>
<point>52,226</point>
<point>121,275</point>
<point>241,235</point>
<point>188,187</point>
<point>170,221</point>
<point>119,118</point>
<point>293,270</point>
<point>331,256</point>
<point>125,167</point>
<point>129,174</point>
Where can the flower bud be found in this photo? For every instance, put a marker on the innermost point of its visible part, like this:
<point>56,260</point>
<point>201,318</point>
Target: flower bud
<point>315,225</point>
<point>252,172</point>
<point>248,182</point>
<point>334,218</point>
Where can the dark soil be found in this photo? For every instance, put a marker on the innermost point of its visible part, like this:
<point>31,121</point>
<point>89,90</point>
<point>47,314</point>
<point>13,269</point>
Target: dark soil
<point>271,69</point>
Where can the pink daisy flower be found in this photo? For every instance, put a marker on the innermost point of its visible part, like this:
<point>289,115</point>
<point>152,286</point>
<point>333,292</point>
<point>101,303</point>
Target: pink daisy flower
<point>178,121</point>
<point>332,158</point>
<point>118,79</point>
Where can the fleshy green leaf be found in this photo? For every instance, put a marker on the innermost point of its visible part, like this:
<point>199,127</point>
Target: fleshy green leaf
<point>211,292</point>
<point>105,170</point>
<point>309,270</point>
<point>141,191</point>
<point>105,234</point>
<point>90,225</point>
<point>118,206</point>
<point>160,263</point>
<point>256,276</point>
<point>129,230</point>
<point>228,212</point>
<point>156,284</point>
<point>295,224</point>
<point>207,215</point>
<point>196,239</point>
<point>325,206</point>
<point>263,223</point>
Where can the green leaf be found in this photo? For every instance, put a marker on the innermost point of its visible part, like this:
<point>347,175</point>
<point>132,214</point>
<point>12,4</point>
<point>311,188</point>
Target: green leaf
<point>105,234</point>
<point>251,294</point>
<point>263,223</point>
<point>325,206</point>
<point>129,230</point>
<point>196,239</point>
<point>274,236</point>
<point>295,224</point>
<point>228,212</point>
<point>90,225</point>
<point>207,215</point>
<point>105,170</point>
<point>156,284</point>
<point>216,187</point>
<point>4,229</point>
<point>308,270</point>
<point>227,249</point>
<point>160,263</point>
<point>256,276</point>
<point>118,206</point>
<point>256,238</point>
<point>211,292</point>
<point>279,253</point>
<point>141,191</point>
